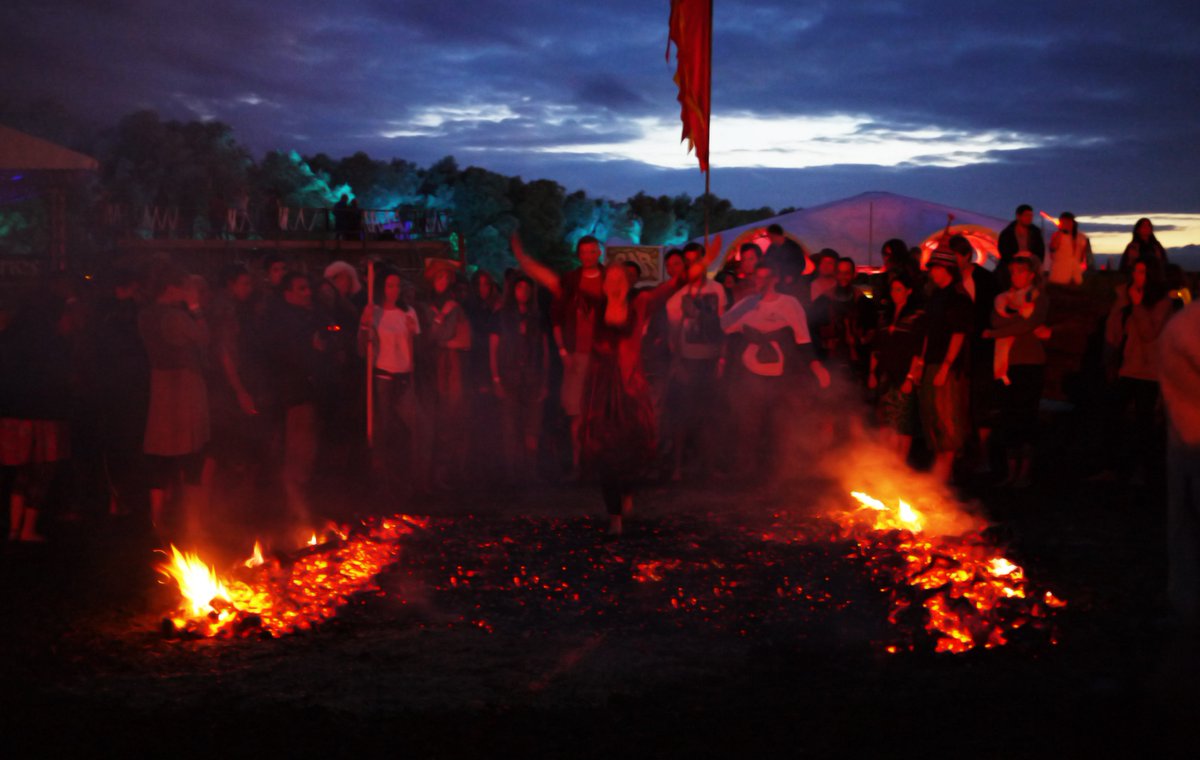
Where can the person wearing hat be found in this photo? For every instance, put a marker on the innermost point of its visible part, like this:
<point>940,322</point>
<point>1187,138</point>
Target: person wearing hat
<point>941,372</point>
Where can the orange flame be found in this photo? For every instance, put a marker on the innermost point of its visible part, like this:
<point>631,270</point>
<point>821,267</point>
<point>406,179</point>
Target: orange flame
<point>256,559</point>
<point>198,583</point>
<point>904,517</point>
<point>1050,219</point>
<point>286,599</point>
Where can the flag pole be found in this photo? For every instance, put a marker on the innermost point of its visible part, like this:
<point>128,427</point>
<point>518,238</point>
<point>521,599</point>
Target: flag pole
<point>370,354</point>
<point>708,140</point>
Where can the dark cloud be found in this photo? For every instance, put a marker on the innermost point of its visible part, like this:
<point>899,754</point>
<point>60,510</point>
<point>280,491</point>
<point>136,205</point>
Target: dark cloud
<point>608,92</point>
<point>1108,90</point>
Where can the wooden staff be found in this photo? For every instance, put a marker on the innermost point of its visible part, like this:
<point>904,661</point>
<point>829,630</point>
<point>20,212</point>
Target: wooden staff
<point>370,354</point>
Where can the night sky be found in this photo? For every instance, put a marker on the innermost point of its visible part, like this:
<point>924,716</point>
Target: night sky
<point>1093,108</point>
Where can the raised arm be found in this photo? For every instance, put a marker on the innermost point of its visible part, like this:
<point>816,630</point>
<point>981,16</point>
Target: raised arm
<point>660,294</point>
<point>540,273</point>
<point>731,321</point>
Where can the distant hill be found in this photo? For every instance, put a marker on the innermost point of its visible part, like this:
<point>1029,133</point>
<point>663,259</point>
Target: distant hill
<point>1187,256</point>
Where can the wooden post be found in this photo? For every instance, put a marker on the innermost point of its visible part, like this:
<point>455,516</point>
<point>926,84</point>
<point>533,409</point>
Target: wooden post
<point>370,355</point>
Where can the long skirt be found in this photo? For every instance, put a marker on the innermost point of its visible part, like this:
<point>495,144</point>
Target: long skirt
<point>619,437</point>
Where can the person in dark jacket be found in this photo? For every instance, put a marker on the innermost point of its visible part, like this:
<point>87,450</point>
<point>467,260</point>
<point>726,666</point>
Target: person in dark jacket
<point>122,379</point>
<point>1019,235</point>
<point>897,349</point>
<point>943,369</point>
<point>789,258</point>
<point>294,354</point>
<point>481,306</point>
<point>519,359</point>
<point>1143,247</point>
<point>980,285</point>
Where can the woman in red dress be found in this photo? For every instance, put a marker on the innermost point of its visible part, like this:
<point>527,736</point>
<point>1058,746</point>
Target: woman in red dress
<point>618,436</point>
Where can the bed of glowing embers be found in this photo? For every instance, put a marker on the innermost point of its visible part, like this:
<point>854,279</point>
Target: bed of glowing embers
<point>945,587</point>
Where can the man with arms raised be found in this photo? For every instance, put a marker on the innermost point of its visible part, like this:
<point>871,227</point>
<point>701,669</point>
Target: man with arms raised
<point>775,330</point>
<point>574,315</point>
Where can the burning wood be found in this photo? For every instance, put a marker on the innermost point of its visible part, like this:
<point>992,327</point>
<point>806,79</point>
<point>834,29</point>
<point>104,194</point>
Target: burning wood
<point>273,597</point>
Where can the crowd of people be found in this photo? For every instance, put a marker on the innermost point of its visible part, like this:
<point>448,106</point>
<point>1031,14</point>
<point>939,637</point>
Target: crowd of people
<point>266,373</point>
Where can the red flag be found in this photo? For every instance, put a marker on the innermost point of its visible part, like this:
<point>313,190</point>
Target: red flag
<point>691,31</point>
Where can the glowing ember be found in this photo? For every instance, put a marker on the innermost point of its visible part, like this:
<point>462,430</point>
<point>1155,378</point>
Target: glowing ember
<point>1049,218</point>
<point>1052,601</point>
<point>277,598</point>
<point>1001,567</point>
<point>648,572</point>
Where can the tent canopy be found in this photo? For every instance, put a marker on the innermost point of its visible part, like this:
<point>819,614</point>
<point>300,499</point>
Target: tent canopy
<point>858,226</point>
<point>22,152</point>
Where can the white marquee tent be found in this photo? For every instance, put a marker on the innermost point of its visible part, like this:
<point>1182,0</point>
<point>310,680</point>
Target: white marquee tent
<point>858,226</point>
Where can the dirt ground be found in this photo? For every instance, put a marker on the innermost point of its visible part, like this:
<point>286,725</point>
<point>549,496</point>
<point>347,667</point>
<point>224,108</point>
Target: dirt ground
<point>551,642</point>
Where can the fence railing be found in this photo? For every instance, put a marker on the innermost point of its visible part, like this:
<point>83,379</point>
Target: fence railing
<point>278,223</point>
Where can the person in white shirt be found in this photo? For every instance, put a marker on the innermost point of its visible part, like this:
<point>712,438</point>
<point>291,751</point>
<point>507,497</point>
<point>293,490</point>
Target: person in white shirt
<point>1070,252</point>
<point>775,329</point>
<point>389,325</point>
